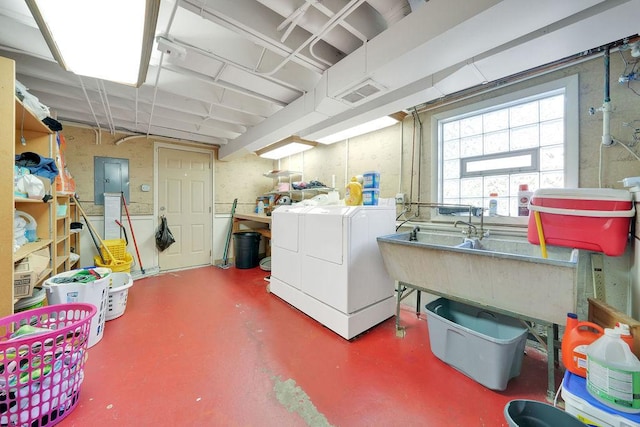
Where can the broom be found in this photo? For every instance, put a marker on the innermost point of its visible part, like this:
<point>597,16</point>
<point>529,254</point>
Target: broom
<point>225,257</point>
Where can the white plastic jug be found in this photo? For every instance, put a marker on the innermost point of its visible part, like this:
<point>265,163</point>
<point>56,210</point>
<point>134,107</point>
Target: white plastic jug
<point>613,373</point>
<point>30,229</point>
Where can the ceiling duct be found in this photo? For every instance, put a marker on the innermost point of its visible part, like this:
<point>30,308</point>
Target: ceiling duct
<point>360,92</point>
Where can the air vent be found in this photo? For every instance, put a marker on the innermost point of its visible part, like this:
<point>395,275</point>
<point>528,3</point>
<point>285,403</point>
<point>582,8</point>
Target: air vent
<point>360,92</point>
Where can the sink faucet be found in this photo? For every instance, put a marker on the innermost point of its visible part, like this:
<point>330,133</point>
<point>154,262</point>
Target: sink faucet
<point>471,230</point>
<point>413,236</point>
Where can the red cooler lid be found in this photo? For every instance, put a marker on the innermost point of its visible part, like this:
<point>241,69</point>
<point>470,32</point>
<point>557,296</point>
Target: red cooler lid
<point>609,194</point>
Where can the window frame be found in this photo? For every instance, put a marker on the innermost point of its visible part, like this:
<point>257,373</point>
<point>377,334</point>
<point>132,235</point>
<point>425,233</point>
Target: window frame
<point>570,85</point>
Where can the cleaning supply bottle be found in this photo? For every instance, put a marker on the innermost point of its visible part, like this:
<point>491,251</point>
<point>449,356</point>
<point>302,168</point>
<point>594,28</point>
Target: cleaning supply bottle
<point>353,193</point>
<point>524,196</point>
<point>625,333</point>
<point>493,204</point>
<point>613,373</point>
<point>577,337</point>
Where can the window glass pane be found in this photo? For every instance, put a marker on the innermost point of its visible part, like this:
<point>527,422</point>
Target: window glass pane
<point>451,130</point>
<point>552,132</point>
<point>496,142</point>
<point>451,189</point>
<point>522,160</point>
<point>524,137</point>
<point>523,114</point>
<point>471,146</point>
<point>451,149</point>
<point>471,126</point>
<point>552,108</point>
<point>451,169</point>
<point>551,180</point>
<point>551,158</point>
<point>496,184</point>
<point>495,120</point>
<point>471,187</point>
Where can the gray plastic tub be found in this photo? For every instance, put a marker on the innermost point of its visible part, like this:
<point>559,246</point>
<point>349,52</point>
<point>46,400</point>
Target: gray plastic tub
<point>531,413</point>
<point>487,347</point>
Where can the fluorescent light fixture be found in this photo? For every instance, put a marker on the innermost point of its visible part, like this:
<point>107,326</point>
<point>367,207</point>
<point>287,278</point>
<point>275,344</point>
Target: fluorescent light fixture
<point>286,147</point>
<point>364,128</point>
<point>110,39</point>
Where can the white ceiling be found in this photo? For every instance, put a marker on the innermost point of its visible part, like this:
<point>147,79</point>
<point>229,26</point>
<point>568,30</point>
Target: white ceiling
<point>242,74</point>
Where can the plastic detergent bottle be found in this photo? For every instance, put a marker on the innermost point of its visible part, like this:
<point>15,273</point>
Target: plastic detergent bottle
<point>625,333</point>
<point>613,373</point>
<point>577,337</point>
<point>353,193</point>
<point>493,204</point>
<point>524,196</point>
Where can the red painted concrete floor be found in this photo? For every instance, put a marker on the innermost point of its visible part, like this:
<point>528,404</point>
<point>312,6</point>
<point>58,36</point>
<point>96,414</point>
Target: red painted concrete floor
<point>211,347</point>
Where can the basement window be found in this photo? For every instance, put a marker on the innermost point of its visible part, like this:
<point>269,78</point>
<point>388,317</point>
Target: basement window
<point>526,137</point>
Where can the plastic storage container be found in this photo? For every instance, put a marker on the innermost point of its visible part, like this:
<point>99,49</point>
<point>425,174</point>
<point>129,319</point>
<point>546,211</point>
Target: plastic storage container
<point>246,245</point>
<point>370,196</point>
<point>34,301</point>
<point>487,347</point>
<point>371,179</point>
<point>580,404</point>
<point>41,373</point>
<point>595,219</point>
<point>613,373</point>
<point>118,294</point>
<point>531,413</point>
<point>95,292</point>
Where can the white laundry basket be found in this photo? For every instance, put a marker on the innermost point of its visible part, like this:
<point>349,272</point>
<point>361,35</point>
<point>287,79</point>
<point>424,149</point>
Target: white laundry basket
<point>118,293</point>
<point>95,292</point>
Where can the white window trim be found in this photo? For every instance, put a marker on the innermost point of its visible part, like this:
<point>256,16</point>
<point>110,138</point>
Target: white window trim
<point>572,122</point>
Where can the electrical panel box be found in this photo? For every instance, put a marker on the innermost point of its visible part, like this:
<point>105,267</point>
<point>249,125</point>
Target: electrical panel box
<point>111,175</point>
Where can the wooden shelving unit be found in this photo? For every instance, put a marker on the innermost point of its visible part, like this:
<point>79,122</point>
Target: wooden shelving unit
<point>21,131</point>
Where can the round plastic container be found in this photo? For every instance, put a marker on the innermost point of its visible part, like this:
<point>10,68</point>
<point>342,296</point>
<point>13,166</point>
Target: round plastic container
<point>246,245</point>
<point>34,301</point>
<point>371,179</point>
<point>611,363</point>
<point>95,292</point>
<point>370,196</point>
<point>531,413</point>
<point>118,294</point>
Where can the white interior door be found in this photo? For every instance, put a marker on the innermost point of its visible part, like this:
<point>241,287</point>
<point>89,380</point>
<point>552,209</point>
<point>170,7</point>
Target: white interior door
<point>185,198</point>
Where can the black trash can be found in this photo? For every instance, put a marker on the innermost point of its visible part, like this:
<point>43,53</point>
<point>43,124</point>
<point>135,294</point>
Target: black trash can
<point>246,245</point>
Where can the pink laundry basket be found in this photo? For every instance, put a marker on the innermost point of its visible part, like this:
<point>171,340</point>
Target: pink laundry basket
<point>41,371</point>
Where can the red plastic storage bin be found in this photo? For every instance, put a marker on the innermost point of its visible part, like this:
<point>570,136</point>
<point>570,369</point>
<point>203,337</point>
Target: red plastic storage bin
<point>594,219</point>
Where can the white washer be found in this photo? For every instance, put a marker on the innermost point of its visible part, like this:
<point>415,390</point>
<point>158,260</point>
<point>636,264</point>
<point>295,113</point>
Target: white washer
<point>342,281</point>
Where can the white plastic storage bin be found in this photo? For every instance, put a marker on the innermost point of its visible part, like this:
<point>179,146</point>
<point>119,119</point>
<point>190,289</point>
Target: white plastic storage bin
<point>485,346</point>
<point>95,292</point>
<point>579,403</point>
<point>118,294</point>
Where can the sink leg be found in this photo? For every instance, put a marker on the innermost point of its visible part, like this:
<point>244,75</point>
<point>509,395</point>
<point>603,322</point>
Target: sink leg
<point>418,295</point>
<point>551,362</point>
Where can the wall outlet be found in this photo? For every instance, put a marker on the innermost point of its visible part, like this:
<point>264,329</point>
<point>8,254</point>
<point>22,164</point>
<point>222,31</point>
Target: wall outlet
<point>400,199</point>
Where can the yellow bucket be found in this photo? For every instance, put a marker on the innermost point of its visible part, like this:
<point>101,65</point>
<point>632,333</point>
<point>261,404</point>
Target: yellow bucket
<point>122,267</point>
